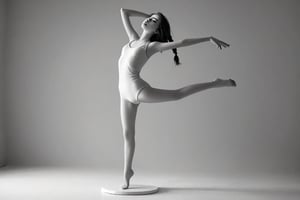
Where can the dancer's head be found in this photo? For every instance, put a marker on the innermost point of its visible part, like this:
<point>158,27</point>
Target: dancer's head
<point>159,25</point>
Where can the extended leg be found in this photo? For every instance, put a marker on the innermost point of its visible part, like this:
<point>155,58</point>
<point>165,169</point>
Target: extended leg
<point>128,116</point>
<point>153,95</point>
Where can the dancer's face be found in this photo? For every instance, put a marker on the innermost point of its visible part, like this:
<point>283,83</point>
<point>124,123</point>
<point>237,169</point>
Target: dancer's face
<point>151,23</point>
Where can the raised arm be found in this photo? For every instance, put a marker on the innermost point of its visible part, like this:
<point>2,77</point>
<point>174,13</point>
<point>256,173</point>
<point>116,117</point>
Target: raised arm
<point>162,46</point>
<point>125,14</point>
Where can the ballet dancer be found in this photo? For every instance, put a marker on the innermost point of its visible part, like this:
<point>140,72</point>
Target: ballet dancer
<point>156,37</point>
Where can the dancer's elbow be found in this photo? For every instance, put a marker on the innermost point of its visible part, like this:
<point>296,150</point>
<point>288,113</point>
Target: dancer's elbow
<point>185,42</point>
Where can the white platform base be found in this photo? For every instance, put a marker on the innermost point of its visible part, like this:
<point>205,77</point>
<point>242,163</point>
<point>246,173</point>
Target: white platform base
<point>132,190</point>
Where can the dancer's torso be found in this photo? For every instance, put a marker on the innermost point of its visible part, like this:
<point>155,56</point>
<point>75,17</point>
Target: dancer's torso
<point>133,57</point>
<point>131,62</point>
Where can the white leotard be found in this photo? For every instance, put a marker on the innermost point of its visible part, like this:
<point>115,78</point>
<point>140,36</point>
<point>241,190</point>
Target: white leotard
<point>131,62</point>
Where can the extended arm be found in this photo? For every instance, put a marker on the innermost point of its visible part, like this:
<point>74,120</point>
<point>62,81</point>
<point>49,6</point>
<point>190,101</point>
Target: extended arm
<point>125,14</point>
<point>162,46</point>
<point>193,41</point>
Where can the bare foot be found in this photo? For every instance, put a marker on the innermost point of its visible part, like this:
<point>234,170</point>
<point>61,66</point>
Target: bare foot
<point>221,82</point>
<point>128,176</point>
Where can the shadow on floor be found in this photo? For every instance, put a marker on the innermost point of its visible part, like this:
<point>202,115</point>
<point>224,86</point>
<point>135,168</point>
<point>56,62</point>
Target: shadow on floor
<point>277,191</point>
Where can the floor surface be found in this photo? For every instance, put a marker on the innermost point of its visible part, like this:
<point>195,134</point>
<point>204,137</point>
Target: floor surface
<point>40,183</point>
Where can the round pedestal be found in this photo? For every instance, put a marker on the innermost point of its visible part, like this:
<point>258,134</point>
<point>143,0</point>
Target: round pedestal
<point>132,190</point>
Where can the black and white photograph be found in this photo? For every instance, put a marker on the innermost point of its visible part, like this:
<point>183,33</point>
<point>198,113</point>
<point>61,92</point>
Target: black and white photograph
<point>149,99</point>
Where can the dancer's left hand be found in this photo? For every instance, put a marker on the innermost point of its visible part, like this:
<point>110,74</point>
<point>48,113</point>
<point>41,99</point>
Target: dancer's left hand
<point>219,43</point>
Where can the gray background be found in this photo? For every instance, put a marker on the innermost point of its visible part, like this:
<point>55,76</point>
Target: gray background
<point>2,26</point>
<point>61,95</point>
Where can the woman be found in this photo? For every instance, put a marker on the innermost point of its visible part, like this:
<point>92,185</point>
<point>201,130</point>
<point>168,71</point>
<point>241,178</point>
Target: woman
<point>133,90</point>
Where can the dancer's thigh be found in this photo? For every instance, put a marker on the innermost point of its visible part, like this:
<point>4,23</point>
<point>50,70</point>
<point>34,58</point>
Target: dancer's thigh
<point>128,114</point>
<point>155,95</point>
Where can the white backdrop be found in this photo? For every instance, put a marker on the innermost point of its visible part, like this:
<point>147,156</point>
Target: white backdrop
<point>62,102</point>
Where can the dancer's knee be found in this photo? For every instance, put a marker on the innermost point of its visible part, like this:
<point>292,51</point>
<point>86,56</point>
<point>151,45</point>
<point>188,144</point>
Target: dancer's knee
<point>175,95</point>
<point>128,134</point>
<point>179,94</point>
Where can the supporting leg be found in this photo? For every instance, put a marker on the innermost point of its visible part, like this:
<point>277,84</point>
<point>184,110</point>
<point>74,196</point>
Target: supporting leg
<point>128,116</point>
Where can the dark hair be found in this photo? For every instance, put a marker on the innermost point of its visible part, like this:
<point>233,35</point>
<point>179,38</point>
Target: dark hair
<point>164,34</point>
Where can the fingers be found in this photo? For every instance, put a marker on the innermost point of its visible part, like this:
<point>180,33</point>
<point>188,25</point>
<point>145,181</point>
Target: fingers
<point>222,44</point>
<point>219,43</point>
